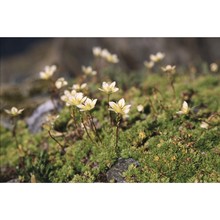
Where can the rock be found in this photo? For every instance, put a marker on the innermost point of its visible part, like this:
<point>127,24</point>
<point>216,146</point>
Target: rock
<point>116,171</point>
<point>5,124</point>
<point>38,117</point>
<point>13,181</point>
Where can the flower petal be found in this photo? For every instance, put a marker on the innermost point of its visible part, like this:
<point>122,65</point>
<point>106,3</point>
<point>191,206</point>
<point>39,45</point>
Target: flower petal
<point>121,103</point>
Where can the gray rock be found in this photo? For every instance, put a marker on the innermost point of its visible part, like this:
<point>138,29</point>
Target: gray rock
<point>5,124</point>
<point>38,117</point>
<point>13,181</point>
<point>116,171</point>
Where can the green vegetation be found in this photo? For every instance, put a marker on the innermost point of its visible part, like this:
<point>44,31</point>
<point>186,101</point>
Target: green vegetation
<point>169,147</point>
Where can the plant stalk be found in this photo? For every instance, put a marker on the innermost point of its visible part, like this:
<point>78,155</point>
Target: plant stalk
<point>94,127</point>
<point>86,130</point>
<point>62,147</point>
<point>117,135</point>
<point>14,131</point>
<point>110,115</point>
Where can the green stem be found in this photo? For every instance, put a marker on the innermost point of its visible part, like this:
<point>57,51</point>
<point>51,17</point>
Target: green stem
<point>74,116</point>
<point>62,147</point>
<point>86,129</point>
<point>172,86</point>
<point>110,115</point>
<point>14,130</point>
<point>117,135</point>
<point>94,127</point>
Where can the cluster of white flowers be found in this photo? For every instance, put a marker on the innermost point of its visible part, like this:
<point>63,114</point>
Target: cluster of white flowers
<point>73,98</point>
<point>78,99</point>
<point>88,71</point>
<point>61,82</point>
<point>119,107</point>
<point>105,54</point>
<point>79,87</point>
<point>157,57</point>
<point>49,72</point>
<point>154,58</point>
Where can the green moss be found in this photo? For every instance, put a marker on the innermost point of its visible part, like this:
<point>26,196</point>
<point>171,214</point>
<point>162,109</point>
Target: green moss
<point>167,146</point>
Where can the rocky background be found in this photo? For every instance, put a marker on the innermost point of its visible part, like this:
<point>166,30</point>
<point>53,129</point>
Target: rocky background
<point>23,58</point>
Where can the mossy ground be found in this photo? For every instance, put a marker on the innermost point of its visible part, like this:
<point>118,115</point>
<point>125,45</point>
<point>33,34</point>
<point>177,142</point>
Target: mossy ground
<point>168,147</point>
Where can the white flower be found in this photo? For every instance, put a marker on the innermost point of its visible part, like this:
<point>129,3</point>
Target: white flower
<point>87,105</point>
<point>48,72</point>
<point>112,58</point>
<point>68,93</point>
<point>169,69</point>
<point>61,82</point>
<point>204,125</point>
<point>14,111</point>
<point>73,98</point>
<point>65,97</point>
<point>140,108</point>
<point>76,99</point>
<point>160,55</point>
<point>97,51</point>
<point>79,87</point>
<point>109,88</point>
<point>149,64</point>
<point>157,57</point>
<point>184,110</point>
<point>88,70</point>
<point>105,53</point>
<point>214,67</point>
<point>120,107</point>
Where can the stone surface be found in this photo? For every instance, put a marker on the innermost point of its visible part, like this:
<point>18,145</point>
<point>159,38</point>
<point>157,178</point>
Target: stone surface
<point>5,124</point>
<point>116,171</point>
<point>38,117</point>
<point>13,181</point>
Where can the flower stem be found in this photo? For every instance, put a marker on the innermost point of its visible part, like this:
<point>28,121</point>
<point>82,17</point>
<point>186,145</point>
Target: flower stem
<point>14,131</point>
<point>86,129</point>
<point>73,115</point>
<point>110,115</point>
<point>117,135</point>
<point>94,127</point>
<point>62,147</point>
<point>172,86</point>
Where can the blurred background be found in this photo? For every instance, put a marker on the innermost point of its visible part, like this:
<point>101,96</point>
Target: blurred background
<point>23,58</point>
